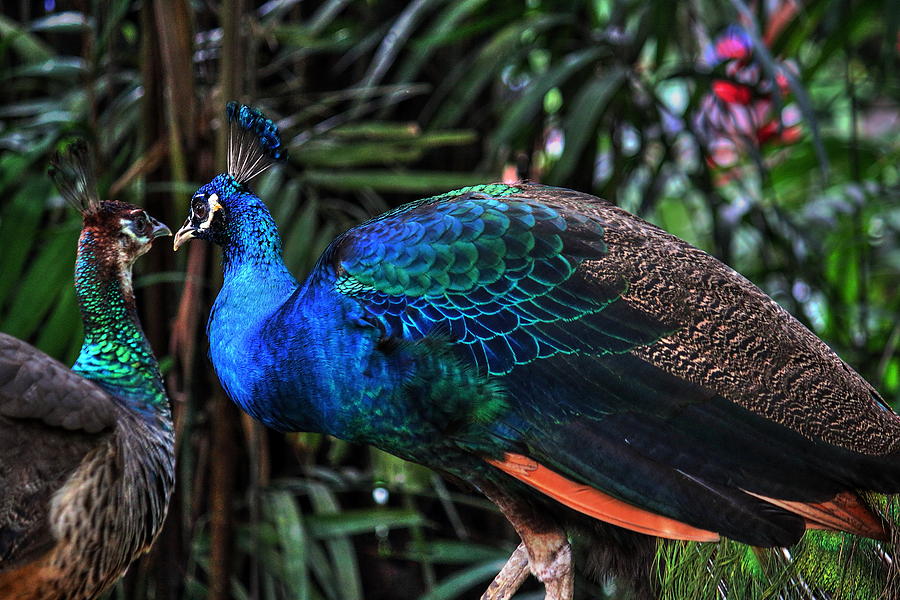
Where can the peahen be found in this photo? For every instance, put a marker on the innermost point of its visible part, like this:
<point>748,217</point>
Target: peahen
<point>595,377</point>
<point>86,454</point>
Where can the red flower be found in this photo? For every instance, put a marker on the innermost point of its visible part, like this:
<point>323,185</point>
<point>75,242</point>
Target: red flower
<point>733,45</point>
<point>740,114</point>
<point>731,92</point>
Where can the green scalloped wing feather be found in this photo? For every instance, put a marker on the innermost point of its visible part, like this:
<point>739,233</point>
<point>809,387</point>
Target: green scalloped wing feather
<point>499,273</point>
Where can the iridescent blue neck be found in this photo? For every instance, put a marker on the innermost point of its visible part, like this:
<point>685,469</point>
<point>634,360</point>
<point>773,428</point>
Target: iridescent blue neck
<point>253,246</point>
<point>115,352</point>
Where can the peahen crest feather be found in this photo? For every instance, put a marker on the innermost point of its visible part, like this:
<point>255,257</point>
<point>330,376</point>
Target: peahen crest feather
<point>825,565</point>
<point>254,143</point>
<point>73,173</point>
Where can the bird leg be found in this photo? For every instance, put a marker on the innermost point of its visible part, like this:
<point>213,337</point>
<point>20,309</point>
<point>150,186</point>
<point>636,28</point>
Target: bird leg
<point>510,577</point>
<point>549,555</point>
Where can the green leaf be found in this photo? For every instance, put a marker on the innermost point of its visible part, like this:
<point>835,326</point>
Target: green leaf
<point>424,182</point>
<point>353,522</point>
<point>58,67</point>
<point>325,154</point>
<point>453,552</point>
<point>393,42</point>
<point>580,122</point>
<point>385,130</point>
<point>445,25</point>
<point>285,514</point>
<point>300,248</point>
<point>28,46</point>
<point>63,329</point>
<point>62,22</point>
<point>19,227</point>
<point>308,39</point>
<point>51,268</point>
<point>340,548</point>
<point>462,581</point>
<point>471,77</point>
<point>523,112</point>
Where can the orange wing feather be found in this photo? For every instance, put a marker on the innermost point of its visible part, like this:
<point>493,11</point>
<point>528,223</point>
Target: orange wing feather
<point>844,512</point>
<point>595,503</point>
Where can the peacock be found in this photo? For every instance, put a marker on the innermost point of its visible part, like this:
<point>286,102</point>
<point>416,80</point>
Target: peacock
<point>87,453</point>
<point>603,382</point>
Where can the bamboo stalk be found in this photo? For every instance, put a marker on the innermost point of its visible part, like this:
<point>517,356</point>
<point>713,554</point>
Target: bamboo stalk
<point>223,416</point>
<point>168,134</point>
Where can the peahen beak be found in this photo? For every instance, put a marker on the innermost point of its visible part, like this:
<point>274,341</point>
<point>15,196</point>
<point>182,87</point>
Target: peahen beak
<point>184,234</point>
<point>159,229</point>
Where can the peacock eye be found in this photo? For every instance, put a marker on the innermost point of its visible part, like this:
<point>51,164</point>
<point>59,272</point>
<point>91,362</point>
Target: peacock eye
<point>201,210</point>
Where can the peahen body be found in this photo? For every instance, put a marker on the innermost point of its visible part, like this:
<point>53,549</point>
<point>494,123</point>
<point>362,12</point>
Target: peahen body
<point>591,374</point>
<point>87,453</point>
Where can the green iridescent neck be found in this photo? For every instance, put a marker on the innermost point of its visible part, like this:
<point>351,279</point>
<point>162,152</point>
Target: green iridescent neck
<point>115,352</point>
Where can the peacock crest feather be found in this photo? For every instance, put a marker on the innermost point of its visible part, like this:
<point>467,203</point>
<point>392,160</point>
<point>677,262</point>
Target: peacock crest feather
<point>72,171</point>
<point>254,143</point>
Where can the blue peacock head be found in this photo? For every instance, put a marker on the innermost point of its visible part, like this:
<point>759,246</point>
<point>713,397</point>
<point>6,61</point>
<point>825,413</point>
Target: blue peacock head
<point>254,145</point>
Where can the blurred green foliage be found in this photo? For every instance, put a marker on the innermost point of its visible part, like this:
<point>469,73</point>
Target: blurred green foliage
<point>383,102</point>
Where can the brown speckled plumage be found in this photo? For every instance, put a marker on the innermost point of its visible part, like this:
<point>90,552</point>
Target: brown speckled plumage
<point>77,507</point>
<point>731,337</point>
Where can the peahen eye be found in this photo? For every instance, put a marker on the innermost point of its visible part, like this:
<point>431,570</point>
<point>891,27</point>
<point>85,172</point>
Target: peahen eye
<point>140,223</point>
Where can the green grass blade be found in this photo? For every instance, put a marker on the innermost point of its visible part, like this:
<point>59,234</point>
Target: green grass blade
<point>459,583</point>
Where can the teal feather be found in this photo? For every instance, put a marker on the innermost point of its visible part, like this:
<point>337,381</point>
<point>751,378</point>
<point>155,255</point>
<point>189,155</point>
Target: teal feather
<point>115,353</point>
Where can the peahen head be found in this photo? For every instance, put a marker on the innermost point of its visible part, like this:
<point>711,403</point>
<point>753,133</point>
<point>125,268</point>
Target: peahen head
<point>119,232</point>
<point>254,145</point>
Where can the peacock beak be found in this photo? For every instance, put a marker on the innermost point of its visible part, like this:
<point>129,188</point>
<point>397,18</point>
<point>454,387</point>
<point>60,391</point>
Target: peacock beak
<point>184,234</point>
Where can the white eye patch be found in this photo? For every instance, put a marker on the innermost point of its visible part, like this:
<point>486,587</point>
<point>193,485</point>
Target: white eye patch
<point>126,229</point>
<point>213,204</point>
